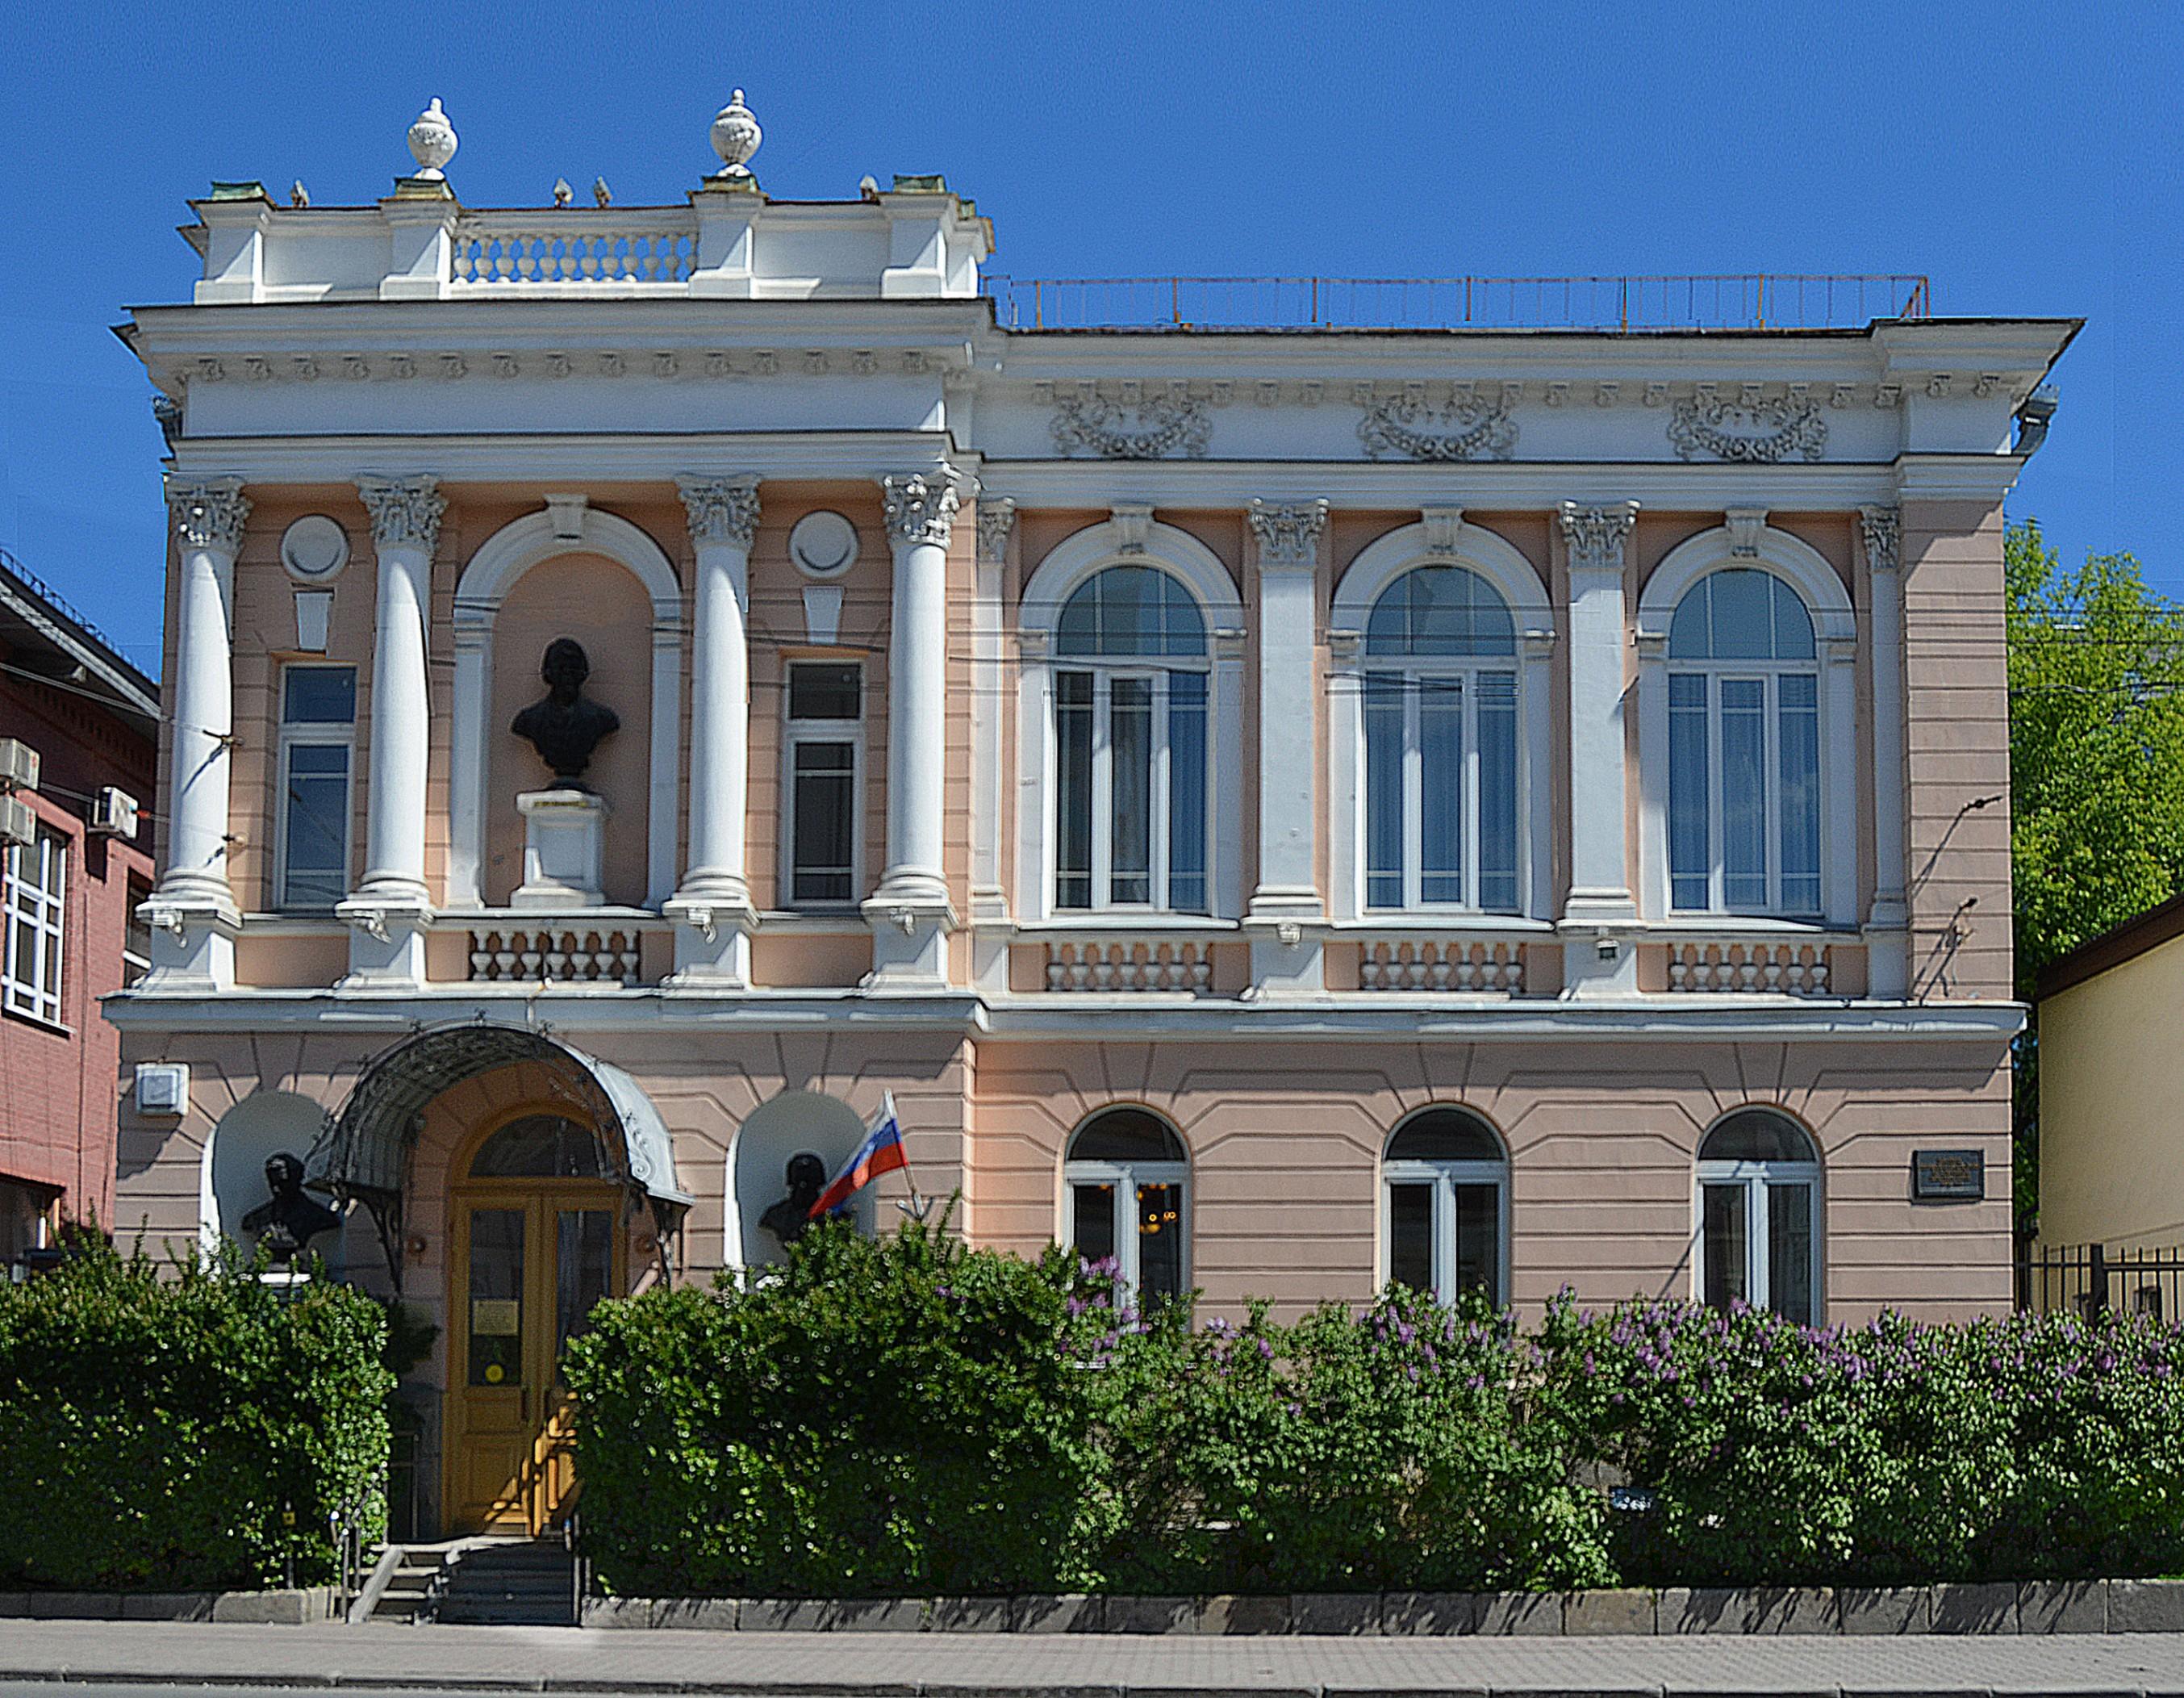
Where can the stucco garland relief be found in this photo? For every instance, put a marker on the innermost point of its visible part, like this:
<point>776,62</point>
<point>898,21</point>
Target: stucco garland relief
<point>1748,431</point>
<point>1144,428</point>
<point>1405,427</point>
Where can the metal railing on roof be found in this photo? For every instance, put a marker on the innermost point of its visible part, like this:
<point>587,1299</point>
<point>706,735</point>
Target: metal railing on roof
<point>61,605</point>
<point>1756,300</point>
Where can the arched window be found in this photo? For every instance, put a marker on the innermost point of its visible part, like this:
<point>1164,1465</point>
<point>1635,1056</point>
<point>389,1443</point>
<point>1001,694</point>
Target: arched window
<point>542,1147</point>
<point>1440,745</point>
<point>1130,745</point>
<point>1743,748</point>
<point>1128,1180</point>
<point>1760,1208</point>
<point>1447,1184</point>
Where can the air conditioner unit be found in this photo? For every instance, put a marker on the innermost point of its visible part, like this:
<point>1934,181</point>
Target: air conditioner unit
<point>19,765</point>
<point>163,1087</point>
<point>17,824</point>
<point>115,812</point>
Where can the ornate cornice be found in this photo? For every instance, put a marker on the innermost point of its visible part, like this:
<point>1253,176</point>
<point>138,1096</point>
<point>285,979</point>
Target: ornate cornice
<point>1748,432</point>
<point>1288,535</point>
<point>1595,536</point>
<point>921,505</point>
<point>722,510</point>
<point>1131,430</point>
<point>1406,427</point>
<point>997,518</point>
<point>405,512</point>
<point>209,515</point>
<point>1882,529</point>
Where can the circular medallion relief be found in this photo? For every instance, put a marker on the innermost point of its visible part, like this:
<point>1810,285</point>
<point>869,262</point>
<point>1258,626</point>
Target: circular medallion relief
<point>823,544</point>
<point>314,547</point>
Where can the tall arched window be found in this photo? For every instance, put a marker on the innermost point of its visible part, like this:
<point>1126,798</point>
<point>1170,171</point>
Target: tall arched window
<point>1131,768</point>
<point>1743,748</point>
<point>1759,1211</point>
<point>1440,745</point>
<point>1447,1185</point>
<point>1128,1182</point>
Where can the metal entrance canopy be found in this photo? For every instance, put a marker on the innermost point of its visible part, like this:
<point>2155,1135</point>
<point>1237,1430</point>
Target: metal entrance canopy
<point>363,1155</point>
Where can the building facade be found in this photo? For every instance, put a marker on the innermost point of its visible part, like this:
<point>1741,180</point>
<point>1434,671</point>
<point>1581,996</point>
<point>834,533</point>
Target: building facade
<point>1286,806</point>
<point>75,863</point>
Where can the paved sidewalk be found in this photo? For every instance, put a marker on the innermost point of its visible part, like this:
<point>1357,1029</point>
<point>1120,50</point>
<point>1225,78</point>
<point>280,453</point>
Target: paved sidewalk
<point>977,1666</point>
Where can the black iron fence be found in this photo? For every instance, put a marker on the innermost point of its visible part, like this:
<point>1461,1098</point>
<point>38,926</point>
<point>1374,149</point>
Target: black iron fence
<point>2095,1279</point>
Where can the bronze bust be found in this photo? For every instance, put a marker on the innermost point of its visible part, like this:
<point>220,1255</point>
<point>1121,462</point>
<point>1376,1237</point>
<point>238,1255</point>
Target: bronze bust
<point>288,1220</point>
<point>789,1219</point>
<point>565,727</point>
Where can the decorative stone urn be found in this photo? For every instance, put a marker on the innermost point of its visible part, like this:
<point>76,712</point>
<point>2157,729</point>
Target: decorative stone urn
<point>736,136</point>
<point>433,142</point>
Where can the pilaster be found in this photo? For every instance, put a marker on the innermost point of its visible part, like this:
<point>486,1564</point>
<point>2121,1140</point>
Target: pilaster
<point>1287,914</point>
<point>1599,904</point>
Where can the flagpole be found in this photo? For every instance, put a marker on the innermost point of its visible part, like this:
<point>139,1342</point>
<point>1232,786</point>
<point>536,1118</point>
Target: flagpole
<point>915,1208</point>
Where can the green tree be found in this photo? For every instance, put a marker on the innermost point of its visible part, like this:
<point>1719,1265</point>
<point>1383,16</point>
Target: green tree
<point>2097,767</point>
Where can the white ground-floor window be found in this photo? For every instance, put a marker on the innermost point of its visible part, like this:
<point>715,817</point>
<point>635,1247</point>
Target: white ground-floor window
<point>35,881</point>
<point>1446,1200</point>
<point>1126,1184</point>
<point>1759,1216</point>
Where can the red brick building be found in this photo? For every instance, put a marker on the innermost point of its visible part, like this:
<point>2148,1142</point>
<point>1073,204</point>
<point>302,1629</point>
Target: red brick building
<point>72,871</point>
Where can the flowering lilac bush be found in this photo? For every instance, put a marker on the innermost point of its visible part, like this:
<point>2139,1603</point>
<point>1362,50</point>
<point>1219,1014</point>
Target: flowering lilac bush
<point>1886,1453</point>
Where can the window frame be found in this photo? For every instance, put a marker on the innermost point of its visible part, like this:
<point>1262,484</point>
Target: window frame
<point>43,908</point>
<point>1412,674</point>
<point>1769,675</point>
<point>795,733</point>
<point>1755,1179</point>
<point>1126,1177</point>
<point>1445,1176</point>
<point>1105,671</point>
<point>317,735</point>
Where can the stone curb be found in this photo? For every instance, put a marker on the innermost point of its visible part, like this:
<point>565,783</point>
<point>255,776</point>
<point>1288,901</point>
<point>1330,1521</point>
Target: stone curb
<point>295,1607</point>
<point>2031,1607</point>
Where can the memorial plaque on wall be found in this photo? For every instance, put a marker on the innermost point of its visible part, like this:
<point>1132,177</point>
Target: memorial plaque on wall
<point>1948,1175</point>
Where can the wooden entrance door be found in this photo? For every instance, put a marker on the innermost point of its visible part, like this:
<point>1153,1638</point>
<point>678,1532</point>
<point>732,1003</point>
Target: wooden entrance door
<point>530,1258</point>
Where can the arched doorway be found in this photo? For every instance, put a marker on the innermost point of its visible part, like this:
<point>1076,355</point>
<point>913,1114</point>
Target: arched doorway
<point>539,1234</point>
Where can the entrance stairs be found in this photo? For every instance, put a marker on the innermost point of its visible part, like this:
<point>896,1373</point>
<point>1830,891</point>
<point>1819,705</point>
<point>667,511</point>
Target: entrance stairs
<point>473,1582</point>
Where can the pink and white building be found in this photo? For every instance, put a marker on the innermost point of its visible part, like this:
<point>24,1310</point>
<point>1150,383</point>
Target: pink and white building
<point>1289,804</point>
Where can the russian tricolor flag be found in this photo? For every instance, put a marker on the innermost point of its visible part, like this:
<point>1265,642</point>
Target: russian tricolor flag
<point>881,1152</point>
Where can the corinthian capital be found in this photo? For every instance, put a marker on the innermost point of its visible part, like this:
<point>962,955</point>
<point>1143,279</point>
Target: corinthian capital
<point>722,510</point>
<point>1595,536</point>
<point>208,515</point>
<point>404,511</point>
<point>1288,536</point>
<point>921,505</point>
<point>1882,527</point>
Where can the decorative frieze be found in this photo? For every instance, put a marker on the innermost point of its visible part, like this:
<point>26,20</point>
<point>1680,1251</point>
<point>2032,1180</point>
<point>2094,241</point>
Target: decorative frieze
<point>1749,431</point>
<point>1288,536</point>
<point>209,515</point>
<point>721,510</point>
<point>1883,530</point>
<point>404,510</point>
<point>1086,425</point>
<point>1595,536</point>
<point>1406,428</point>
<point>922,506</point>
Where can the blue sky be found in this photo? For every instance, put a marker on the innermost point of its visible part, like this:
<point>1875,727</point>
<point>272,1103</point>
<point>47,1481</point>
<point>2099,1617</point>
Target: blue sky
<point>2026,157</point>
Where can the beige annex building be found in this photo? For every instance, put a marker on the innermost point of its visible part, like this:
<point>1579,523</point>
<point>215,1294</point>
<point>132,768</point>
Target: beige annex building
<point>1287,805</point>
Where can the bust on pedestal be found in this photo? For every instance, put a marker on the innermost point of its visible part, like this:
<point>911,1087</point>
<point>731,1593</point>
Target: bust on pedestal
<point>564,825</point>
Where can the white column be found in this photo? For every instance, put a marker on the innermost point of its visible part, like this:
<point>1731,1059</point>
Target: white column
<point>1595,960</point>
<point>1286,900</point>
<point>1887,956</point>
<point>389,910</point>
<point>711,909</point>
<point>193,913</point>
<point>910,914</point>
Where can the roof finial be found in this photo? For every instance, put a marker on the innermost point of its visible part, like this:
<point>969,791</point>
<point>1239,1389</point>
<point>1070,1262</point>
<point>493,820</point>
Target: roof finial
<point>736,136</point>
<point>432,142</point>
<point>563,194</point>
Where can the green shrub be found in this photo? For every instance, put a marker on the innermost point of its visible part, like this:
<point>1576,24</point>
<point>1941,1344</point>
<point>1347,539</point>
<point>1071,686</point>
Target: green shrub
<point>190,1431</point>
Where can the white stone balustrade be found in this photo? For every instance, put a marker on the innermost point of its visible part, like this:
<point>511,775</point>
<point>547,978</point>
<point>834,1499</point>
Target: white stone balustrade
<point>499,250</point>
<point>1441,964</point>
<point>1127,965</point>
<point>556,954</point>
<point>1725,965</point>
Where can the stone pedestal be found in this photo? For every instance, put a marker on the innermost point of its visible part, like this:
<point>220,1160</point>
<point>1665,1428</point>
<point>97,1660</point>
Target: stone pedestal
<point>563,840</point>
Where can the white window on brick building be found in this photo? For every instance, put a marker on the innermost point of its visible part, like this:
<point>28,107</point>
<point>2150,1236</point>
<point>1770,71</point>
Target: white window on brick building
<point>35,892</point>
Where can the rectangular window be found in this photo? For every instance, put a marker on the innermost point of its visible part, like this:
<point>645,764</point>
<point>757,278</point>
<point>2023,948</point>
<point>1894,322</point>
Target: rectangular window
<point>1130,838</point>
<point>1160,1242</point>
<point>1722,1209</point>
<point>1411,1237</point>
<point>1130,790</point>
<point>36,878</point>
<point>1186,780</point>
<point>1689,858</point>
<point>1478,1240</point>
<point>496,1295</point>
<point>1744,792</point>
<point>1383,789</point>
<point>1497,792</point>
<point>136,940</point>
<point>1789,1252</point>
<point>1093,1220</point>
<point>1440,789</point>
<point>823,735</point>
<point>318,730</point>
<point>1073,726</point>
<point>1799,719</point>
